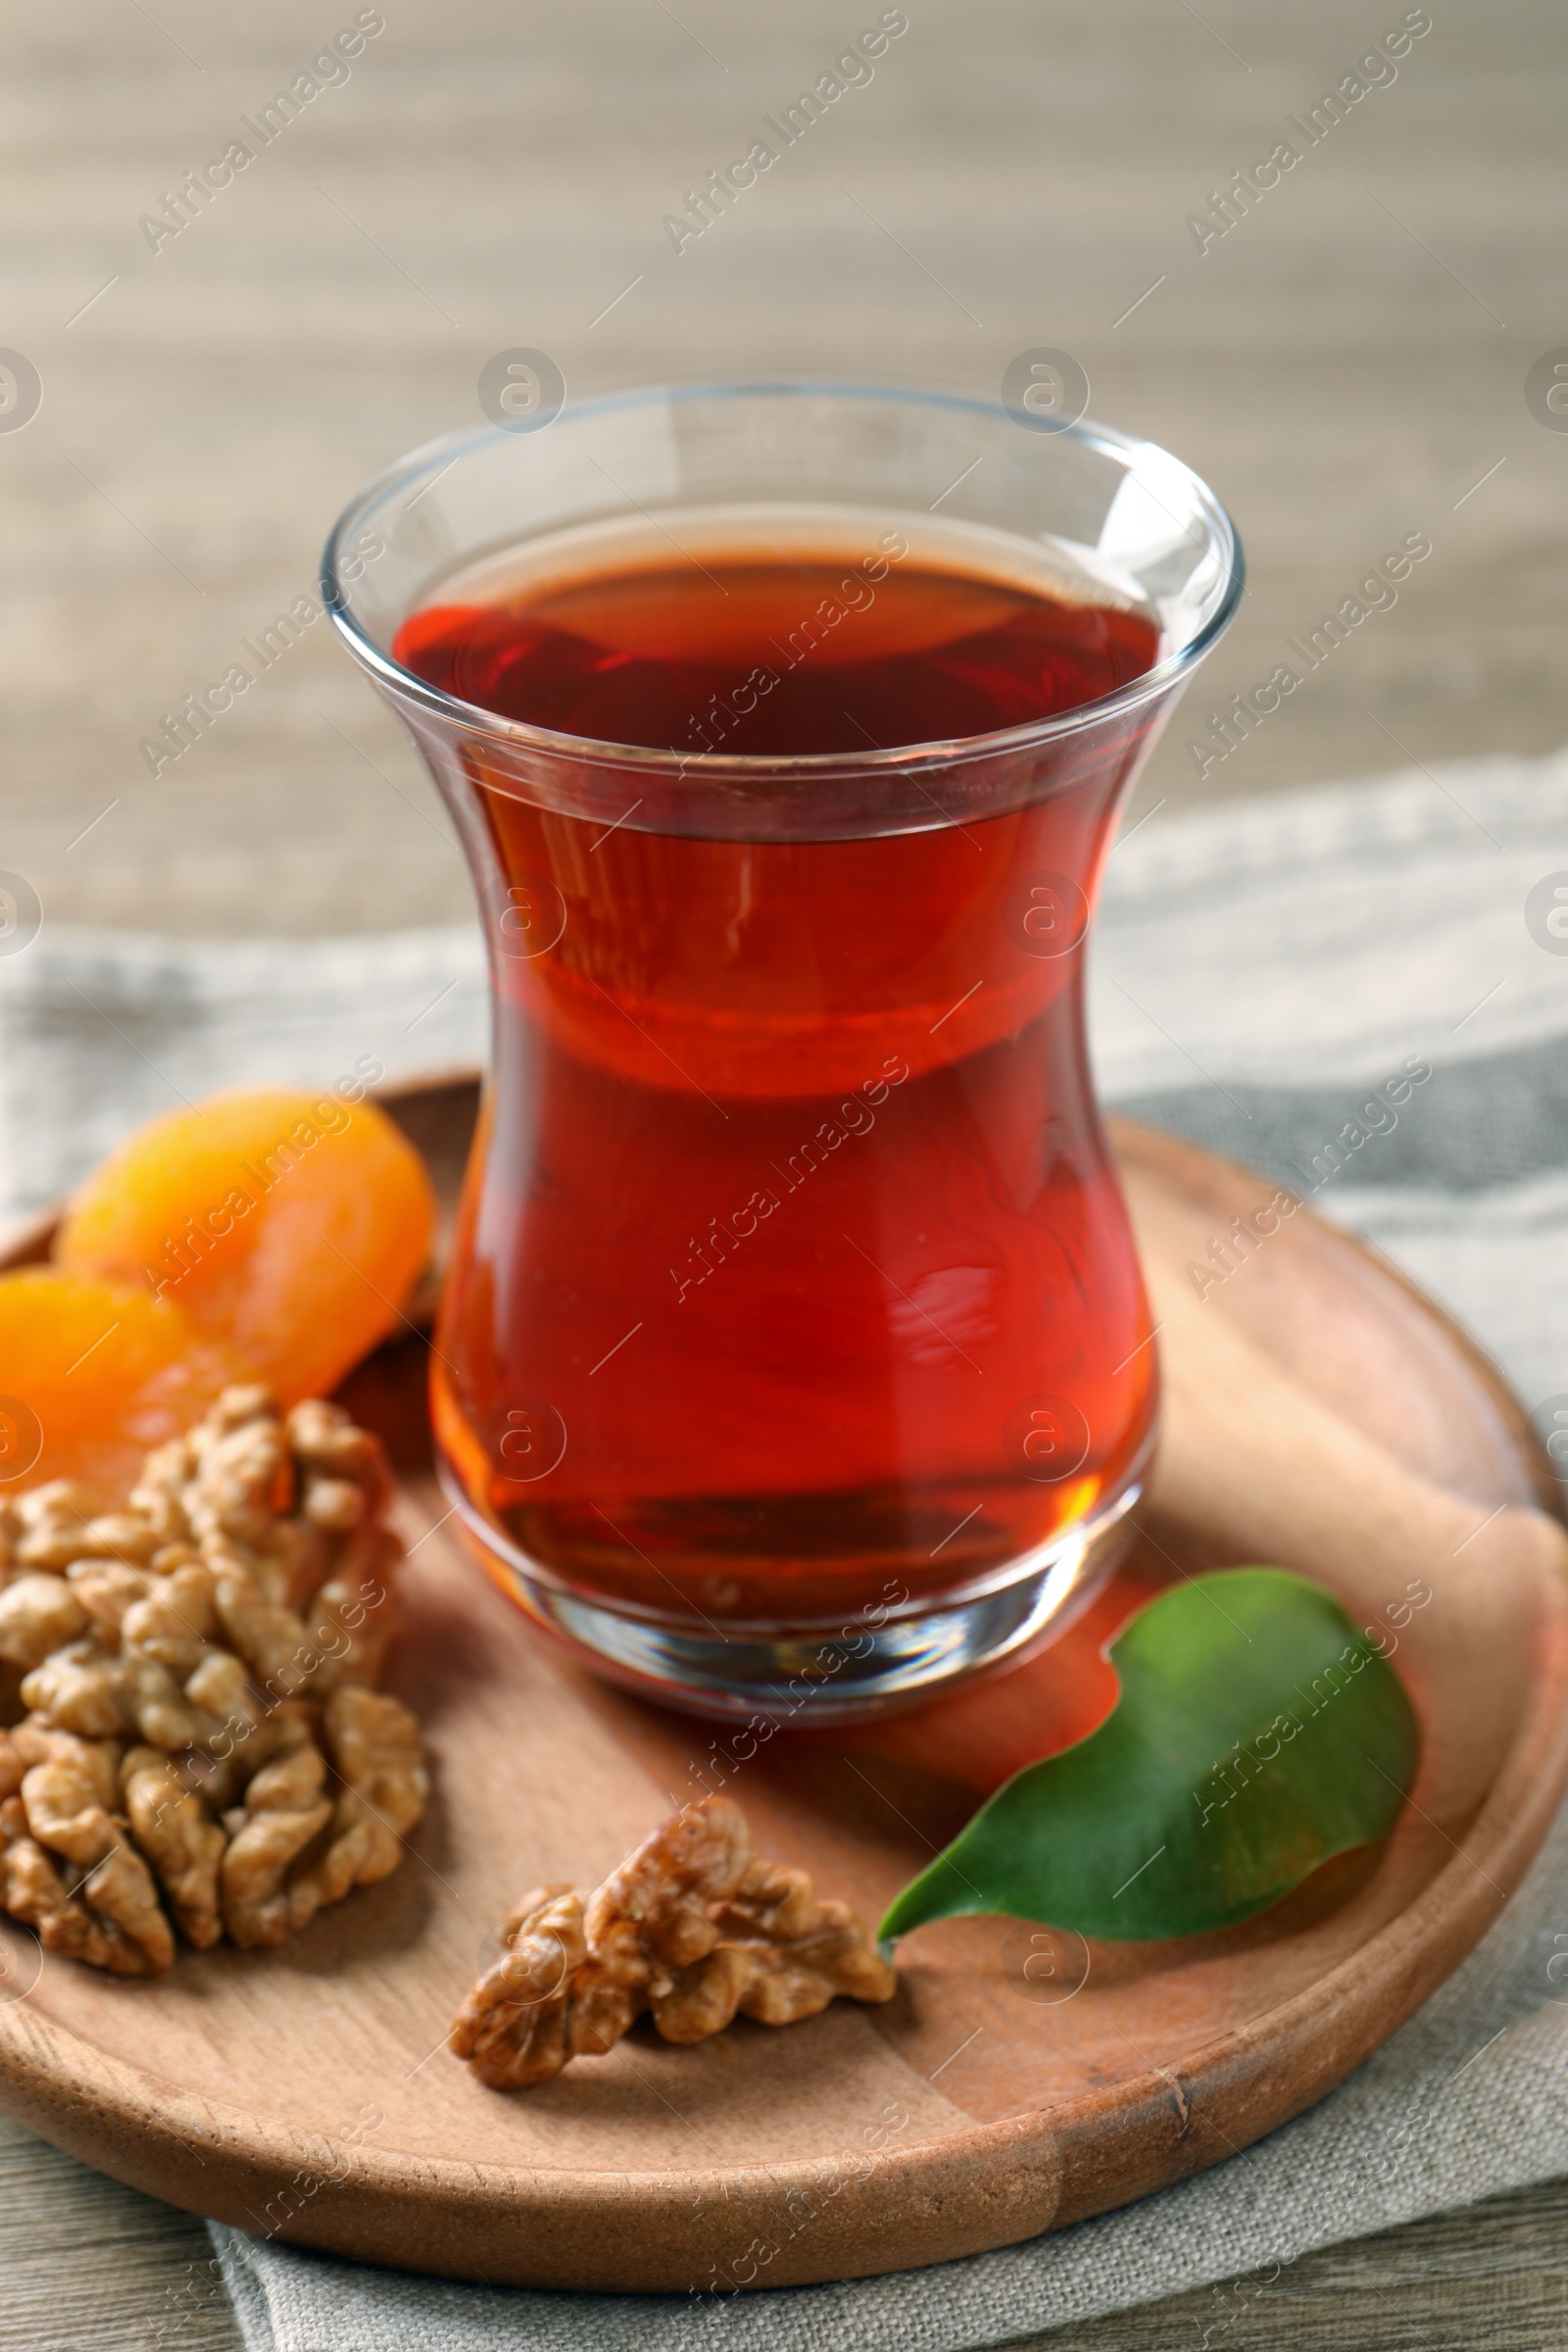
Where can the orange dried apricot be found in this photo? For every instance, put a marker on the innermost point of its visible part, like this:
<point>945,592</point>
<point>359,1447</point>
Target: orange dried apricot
<point>289,1226</point>
<point>94,1375</point>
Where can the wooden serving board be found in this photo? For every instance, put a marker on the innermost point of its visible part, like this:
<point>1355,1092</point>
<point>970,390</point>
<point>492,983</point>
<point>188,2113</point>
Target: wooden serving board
<point>1320,1415</point>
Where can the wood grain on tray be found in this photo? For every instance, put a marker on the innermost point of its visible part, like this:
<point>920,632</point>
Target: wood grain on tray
<point>1321,1414</point>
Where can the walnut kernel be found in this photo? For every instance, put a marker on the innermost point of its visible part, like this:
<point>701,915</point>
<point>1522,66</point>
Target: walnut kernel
<point>689,1928</point>
<point>202,1735</point>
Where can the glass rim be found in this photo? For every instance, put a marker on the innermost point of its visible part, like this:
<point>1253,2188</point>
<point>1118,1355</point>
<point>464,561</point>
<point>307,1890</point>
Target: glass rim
<point>436,457</point>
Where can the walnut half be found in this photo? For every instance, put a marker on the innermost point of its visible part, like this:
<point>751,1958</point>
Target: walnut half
<point>691,1927</point>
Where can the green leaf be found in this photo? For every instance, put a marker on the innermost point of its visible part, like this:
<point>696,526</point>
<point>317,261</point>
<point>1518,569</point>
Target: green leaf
<point>1255,1735</point>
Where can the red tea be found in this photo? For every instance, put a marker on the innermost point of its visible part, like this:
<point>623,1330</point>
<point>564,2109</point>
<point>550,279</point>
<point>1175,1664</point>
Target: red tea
<point>862,650</point>
<point>792,1272</point>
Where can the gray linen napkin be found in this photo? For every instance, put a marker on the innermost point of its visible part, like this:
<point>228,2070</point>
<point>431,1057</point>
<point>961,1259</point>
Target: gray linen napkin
<point>1259,969</point>
<point>100,1030</point>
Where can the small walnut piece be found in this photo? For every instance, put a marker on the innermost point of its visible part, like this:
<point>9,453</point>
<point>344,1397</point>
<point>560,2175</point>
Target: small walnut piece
<point>38,1613</point>
<point>689,1928</point>
<point>376,1745</point>
<point>184,1847</point>
<point>65,1794</point>
<point>105,1590</point>
<point>54,1525</point>
<point>202,1748</point>
<point>804,1952</point>
<point>512,2026</point>
<point>285,1810</point>
<point>75,1690</point>
<point>38,1896</point>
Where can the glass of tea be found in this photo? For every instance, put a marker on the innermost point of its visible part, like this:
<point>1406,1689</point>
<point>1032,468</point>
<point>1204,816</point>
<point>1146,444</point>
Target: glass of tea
<point>793,1358</point>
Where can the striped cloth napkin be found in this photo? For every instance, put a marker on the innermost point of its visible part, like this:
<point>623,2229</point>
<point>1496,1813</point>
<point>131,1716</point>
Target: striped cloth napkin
<point>1259,968</point>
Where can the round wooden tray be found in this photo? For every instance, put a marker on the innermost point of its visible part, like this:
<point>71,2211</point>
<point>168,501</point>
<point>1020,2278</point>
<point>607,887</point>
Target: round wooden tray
<point>1320,1415</point>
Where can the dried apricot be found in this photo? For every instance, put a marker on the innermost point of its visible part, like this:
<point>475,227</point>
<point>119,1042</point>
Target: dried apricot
<point>95,1375</point>
<point>289,1226</point>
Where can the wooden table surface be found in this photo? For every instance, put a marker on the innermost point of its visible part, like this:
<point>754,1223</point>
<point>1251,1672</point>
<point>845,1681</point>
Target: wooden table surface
<point>1346,365</point>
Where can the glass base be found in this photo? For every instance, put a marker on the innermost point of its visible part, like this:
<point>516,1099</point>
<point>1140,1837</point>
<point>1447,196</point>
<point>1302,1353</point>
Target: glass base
<point>830,1672</point>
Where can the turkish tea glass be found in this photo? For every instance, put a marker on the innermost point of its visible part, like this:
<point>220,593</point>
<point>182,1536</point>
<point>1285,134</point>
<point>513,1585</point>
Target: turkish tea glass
<point>793,1358</point>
